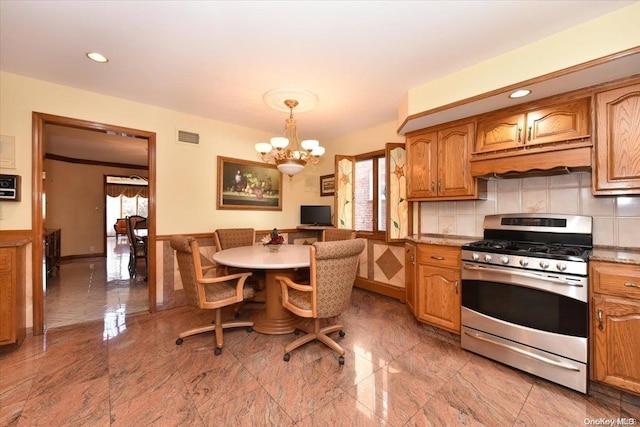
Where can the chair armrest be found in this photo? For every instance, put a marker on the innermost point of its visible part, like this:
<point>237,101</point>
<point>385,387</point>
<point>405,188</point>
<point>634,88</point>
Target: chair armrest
<point>242,277</point>
<point>286,281</point>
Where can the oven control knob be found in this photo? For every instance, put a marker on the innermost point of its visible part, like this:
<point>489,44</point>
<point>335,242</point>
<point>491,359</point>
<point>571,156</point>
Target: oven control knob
<point>524,262</point>
<point>475,256</point>
<point>487,258</point>
<point>544,264</point>
<point>561,266</point>
<point>504,260</point>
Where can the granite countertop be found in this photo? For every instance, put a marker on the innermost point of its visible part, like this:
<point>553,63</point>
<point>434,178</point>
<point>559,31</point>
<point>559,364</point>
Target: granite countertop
<point>442,239</point>
<point>614,254</point>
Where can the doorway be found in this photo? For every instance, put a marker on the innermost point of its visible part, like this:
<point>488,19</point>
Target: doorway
<point>40,121</point>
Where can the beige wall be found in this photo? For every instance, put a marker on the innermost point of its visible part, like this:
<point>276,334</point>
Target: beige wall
<point>605,35</point>
<point>186,175</point>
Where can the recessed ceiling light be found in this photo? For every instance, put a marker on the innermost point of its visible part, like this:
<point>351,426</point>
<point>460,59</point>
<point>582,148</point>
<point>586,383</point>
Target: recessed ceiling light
<point>520,93</point>
<point>95,56</point>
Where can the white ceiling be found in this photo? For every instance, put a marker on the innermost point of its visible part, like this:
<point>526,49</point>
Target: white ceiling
<point>216,59</point>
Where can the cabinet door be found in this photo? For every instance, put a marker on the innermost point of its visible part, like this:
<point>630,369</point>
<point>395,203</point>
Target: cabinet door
<point>438,297</point>
<point>410,275</point>
<point>421,158</point>
<point>616,326</point>
<point>617,146</point>
<point>501,133</point>
<point>7,296</point>
<point>454,169</point>
<point>558,123</point>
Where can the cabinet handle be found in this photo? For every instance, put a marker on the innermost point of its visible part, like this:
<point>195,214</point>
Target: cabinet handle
<point>433,186</point>
<point>439,258</point>
<point>519,134</point>
<point>529,135</point>
<point>439,186</point>
<point>456,287</point>
<point>631,285</point>
<point>413,259</point>
<point>600,322</point>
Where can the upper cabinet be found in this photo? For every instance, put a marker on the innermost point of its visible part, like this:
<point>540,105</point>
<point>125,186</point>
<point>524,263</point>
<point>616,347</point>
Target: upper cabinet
<point>617,146</point>
<point>556,123</point>
<point>438,160</point>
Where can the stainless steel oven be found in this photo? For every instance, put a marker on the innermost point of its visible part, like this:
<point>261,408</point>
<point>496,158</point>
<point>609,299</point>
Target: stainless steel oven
<point>525,295</point>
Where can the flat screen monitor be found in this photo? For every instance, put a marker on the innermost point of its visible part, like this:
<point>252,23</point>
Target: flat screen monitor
<point>315,215</point>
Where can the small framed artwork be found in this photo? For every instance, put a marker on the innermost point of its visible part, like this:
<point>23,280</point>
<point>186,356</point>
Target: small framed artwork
<point>327,185</point>
<point>247,185</point>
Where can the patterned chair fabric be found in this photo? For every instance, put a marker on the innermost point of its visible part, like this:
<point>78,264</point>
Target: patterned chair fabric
<point>333,267</point>
<point>333,234</point>
<point>227,238</point>
<point>205,290</point>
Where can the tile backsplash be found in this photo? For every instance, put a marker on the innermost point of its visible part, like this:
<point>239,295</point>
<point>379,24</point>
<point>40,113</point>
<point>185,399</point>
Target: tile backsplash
<point>616,219</point>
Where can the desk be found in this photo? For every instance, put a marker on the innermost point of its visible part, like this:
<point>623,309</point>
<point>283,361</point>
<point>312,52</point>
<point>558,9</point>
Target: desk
<point>275,319</point>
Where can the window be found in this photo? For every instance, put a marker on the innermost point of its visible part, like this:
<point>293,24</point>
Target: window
<point>369,192</point>
<point>123,206</point>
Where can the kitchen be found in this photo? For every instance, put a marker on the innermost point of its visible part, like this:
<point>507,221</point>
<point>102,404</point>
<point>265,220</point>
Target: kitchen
<point>616,217</point>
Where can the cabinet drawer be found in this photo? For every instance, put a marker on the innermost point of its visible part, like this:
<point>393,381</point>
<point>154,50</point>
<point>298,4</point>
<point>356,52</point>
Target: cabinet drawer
<point>5,260</point>
<point>616,279</point>
<point>442,256</point>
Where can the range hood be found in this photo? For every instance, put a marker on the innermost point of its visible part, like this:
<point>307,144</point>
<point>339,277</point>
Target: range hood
<point>560,170</point>
<point>531,163</point>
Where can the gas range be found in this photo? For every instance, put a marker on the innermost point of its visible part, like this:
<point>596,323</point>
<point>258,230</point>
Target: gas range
<point>541,242</point>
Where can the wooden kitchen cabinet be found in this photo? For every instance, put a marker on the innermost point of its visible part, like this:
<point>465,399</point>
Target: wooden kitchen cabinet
<point>410,258</point>
<point>438,286</point>
<point>438,164</point>
<point>615,324</point>
<point>617,145</point>
<point>12,294</point>
<point>556,123</point>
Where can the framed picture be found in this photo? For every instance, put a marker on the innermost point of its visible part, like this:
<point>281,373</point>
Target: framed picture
<point>327,185</point>
<point>247,185</point>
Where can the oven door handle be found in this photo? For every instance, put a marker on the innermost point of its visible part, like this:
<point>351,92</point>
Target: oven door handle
<point>522,274</point>
<point>524,352</point>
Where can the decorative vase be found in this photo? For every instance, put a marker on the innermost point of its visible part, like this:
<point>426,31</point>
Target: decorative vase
<point>273,248</point>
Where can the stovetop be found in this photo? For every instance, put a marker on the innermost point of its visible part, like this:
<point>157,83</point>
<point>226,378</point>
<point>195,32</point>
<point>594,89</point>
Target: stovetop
<point>557,251</point>
<point>551,243</point>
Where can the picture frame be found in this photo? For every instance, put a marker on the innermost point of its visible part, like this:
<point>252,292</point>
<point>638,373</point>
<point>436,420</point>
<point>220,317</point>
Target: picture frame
<point>247,185</point>
<point>327,185</point>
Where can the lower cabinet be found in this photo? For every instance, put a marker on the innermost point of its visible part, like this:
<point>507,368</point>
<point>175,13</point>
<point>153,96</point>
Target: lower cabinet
<point>615,324</point>
<point>438,286</point>
<point>410,275</point>
<point>12,294</point>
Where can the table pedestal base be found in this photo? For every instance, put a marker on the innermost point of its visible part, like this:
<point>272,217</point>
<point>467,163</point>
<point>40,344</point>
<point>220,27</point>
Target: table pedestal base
<point>275,319</point>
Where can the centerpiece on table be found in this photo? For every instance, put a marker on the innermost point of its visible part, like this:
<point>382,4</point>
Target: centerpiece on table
<point>273,240</point>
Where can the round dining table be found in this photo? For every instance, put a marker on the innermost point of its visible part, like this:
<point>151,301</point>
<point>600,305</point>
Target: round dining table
<point>274,319</point>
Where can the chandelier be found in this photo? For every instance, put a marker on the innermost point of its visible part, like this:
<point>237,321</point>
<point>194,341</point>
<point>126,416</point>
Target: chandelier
<point>289,154</point>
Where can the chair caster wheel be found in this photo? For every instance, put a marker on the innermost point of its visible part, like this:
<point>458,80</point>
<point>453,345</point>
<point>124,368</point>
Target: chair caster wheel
<point>179,341</point>
<point>296,332</point>
<point>250,329</point>
<point>286,357</point>
<point>341,360</point>
<point>217,351</point>
<point>237,315</point>
<point>341,333</point>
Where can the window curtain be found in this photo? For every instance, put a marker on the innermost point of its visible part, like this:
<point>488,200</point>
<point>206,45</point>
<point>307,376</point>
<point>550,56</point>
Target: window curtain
<point>117,190</point>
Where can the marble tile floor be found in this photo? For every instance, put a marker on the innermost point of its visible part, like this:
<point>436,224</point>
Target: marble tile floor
<point>91,289</point>
<point>398,372</point>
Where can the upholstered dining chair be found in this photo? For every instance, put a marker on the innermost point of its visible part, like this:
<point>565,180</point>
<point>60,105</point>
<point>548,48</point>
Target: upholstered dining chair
<point>137,244</point>
<point>227,238</point>
<point>205,290</point>
<point>333,234</point>
<point>333,271</point>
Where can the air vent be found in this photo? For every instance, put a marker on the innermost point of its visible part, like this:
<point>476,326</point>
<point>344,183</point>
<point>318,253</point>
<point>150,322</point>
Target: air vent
<point>188,137</point>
